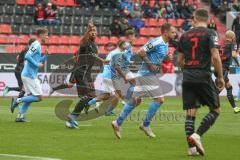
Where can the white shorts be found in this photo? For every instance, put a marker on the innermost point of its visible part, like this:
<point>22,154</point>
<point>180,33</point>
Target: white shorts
<point>148,86</point>
<point>109,85</point>
<point>32,86</point>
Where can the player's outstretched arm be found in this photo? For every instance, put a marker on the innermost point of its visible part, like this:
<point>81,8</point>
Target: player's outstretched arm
<point>218,67</point>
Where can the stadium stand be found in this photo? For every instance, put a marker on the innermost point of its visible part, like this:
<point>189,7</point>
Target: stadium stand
<point>17,21</point>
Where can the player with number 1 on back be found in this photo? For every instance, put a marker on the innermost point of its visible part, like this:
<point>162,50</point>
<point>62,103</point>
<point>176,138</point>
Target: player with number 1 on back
<point>197,49</point>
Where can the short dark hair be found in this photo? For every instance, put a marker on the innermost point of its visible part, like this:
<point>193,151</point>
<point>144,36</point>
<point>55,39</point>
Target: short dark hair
<point>120,43</point>
<point>31,40</point>
<point>166,27</point>
<point>201,15</point>
<point>41,30</point>
<point>129,32</point>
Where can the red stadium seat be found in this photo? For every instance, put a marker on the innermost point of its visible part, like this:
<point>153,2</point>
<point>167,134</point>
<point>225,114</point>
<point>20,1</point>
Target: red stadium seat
<point>4,28</point>
<point>97,40</point>
<point>63,50</point>
<point>3,40</point>
<point>53,49</point>
<point>59,2</point>
<point>20,48</point>
<point>113,40</point>
<point>44,48</point>
<point>30,2</point>
<point>23,39</point>
<point>161,21</point>
<point>144,32</point>
<point>153,22</point>
<point>103,40</point>
<point>154,31</point>
<point>64,39</point>
<point>140,41</point>
<point>10,49</point>
<point>180,22</point>
<point>173,22</point>
<point>54,39</point>
<point>21,2</point>
<point>102,50</point>
<point>75,40</point>
<point>70,3</point>
<point>74,49</point>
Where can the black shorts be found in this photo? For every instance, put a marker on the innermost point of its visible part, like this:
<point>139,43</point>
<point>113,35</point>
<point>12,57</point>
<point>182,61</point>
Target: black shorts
<point>19,79</point>
<point>199,94</point>
<point>82,83</point>
<point>225,75</point>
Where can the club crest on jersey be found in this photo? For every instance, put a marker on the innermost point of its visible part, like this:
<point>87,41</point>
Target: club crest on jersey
<point>149,46</point>
<point>33,49</point>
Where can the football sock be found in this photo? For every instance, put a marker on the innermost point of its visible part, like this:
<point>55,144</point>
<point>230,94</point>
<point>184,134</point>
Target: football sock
<point>207,122</point>
<point>129,92</point>
<point>24,108</point>
<point>28,99</point>
<point>189,127</point>
<point>110,108</point>
<point>81,105</point>
<point>153,107</point>
<point>125,112</point>
<point>238,96</point>
<point>230,97</point>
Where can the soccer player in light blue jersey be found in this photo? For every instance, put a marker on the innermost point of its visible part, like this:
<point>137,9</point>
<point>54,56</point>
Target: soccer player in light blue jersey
<point>33,61</point>
<point>152,54</point>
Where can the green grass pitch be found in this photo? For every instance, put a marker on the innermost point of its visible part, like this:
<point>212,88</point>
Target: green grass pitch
<point>47,136</point>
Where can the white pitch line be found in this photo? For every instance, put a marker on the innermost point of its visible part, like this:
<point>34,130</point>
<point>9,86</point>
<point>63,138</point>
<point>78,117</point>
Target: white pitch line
<point>27,157</point>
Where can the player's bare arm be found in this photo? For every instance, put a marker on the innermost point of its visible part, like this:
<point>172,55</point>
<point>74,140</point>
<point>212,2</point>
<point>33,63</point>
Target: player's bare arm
<point>151,66</point>
<point>180,60</point>
<point>218,68</point>
<point>119,71</point>
<point>234,56</point>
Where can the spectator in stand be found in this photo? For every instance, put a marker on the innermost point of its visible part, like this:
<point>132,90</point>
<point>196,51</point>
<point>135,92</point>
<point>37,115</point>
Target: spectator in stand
<point>126,13</point>
<point>212,24</point>
<point>147,10</point>
<point>223,9</point>
<point>186,25</point>
<point>43,2</point>
<point>169,10</point>
<point>137,10</point>
<point>179,10</point>
<point>124,25</point>
<point>51,15</point>
<point>39,15</point>
<point>157,10</point>
<point>236,5</point>
<point>215,6</point>
<point>187,10</point>
<point>236,28</point>
<point>115,27</point>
